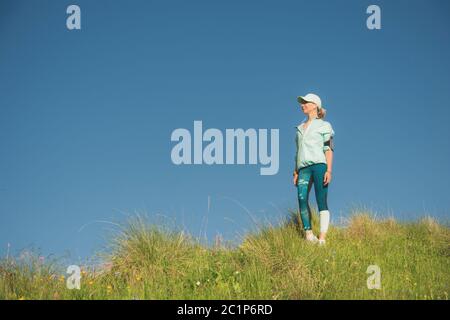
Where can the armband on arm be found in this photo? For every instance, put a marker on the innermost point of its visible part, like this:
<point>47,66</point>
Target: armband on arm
<point>329,144</point>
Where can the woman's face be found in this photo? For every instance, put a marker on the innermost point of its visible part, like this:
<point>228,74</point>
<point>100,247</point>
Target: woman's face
<point>308,107</point>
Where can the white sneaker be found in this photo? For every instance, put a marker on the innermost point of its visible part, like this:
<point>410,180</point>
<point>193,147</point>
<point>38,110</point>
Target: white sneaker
<point>311,237</point>
<point>321,242</point>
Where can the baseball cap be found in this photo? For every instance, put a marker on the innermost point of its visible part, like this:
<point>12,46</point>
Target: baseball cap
<point>310,97</point>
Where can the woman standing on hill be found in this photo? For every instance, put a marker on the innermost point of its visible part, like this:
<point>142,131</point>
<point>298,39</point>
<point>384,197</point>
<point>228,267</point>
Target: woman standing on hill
<point>313,163</point>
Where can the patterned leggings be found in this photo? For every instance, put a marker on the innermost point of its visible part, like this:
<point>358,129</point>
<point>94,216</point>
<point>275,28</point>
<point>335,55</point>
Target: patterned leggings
<point>306,177</point>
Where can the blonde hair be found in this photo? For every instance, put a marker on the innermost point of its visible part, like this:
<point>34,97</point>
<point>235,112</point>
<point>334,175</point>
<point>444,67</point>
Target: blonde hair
<point>321,112</point>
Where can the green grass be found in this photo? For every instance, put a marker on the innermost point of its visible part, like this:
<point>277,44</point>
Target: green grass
<point>146,261</point>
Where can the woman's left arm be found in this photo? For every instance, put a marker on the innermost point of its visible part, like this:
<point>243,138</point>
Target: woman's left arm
<point>329,157</point>
<point>328,149</point>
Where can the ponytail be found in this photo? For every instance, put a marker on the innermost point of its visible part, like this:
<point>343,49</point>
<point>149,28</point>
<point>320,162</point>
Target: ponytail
<point>321,113</point>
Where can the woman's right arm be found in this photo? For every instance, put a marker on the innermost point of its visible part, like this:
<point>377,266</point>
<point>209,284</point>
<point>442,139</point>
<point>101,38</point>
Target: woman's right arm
<point>295,166</point>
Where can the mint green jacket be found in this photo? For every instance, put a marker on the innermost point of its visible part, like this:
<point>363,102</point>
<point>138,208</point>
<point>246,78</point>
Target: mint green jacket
<point>311,142</point>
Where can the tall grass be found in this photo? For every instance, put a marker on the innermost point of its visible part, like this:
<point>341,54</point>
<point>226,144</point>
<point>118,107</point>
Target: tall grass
<point>147,261</point>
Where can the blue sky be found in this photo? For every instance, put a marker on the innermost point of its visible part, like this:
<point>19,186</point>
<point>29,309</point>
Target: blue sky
<point>86,116</point>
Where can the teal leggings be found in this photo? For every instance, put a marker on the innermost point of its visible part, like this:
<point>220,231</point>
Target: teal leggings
<point>306,177</point>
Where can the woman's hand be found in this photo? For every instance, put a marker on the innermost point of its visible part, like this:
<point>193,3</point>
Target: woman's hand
<point>295,178</point>
<point>327,178</point>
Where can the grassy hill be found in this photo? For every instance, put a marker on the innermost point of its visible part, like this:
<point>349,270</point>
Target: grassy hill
<point>146,261</point>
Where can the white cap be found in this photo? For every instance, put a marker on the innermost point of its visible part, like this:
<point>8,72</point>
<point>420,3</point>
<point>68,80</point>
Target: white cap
<point>310,97</point>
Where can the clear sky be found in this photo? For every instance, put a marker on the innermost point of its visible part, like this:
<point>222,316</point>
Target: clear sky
<point>86,115</point>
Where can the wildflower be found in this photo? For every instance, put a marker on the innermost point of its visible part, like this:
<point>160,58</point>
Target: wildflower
<point>138,278</point>
<point>22,298</point>
<point>62,278</point>
<point>236,272</point>
<point>91,282</point>
<point>197,283</point>
<point>109,288</point>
